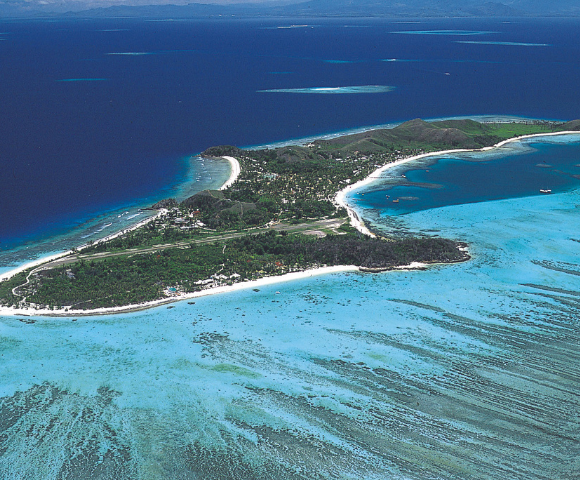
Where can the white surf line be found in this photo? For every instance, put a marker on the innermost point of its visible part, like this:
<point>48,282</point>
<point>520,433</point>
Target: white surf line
<point>236,170</point>
<point>339,199</point>
<point>10,273</point>
<point>35,263</point>
<point>235,167</point>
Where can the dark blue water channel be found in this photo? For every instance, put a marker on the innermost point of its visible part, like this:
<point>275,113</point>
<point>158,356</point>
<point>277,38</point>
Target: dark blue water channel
<point>99,114</point>
<point>479,177</point>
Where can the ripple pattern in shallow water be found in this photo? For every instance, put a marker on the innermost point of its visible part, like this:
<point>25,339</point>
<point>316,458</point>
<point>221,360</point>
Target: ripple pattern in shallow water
<point>467,371</point>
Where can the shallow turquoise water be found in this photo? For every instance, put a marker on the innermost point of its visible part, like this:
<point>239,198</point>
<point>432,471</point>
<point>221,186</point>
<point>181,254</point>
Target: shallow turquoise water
<point>466,371</point>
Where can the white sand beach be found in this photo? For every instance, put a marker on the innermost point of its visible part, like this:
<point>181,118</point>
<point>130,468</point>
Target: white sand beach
<point>340,198</point>
<point>235,172</point>
<point>9,311</point>
<point>40,261</point>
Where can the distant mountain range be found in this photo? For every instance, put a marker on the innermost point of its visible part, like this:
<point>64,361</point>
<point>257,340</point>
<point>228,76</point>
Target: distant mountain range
<point>311,8</point>
<point>437,8</point>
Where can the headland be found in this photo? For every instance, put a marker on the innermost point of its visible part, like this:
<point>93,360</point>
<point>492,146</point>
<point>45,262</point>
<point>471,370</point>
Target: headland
<point>281,215</point>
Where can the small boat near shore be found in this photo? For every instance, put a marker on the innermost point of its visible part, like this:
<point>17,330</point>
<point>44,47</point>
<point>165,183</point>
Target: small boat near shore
<point>546,190</point>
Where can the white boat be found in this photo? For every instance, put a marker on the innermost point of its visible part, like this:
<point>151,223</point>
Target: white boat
<point>547,190</point>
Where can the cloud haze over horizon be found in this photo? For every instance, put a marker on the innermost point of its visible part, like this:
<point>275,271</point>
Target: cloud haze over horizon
<point>317,7</point>
<point>63,5</point>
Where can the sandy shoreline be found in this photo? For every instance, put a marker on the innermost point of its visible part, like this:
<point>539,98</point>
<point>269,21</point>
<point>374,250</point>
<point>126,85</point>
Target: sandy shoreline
<point>9,311</point>
<point>340,199</point>
<point>50,258</point>
<point>234,175</point>
<point>235,172</point>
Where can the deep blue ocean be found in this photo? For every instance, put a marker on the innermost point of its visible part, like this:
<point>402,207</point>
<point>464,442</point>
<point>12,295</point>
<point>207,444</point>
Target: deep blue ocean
<point>467,371</point>
<point>519,169</point>
<point>99,115</point>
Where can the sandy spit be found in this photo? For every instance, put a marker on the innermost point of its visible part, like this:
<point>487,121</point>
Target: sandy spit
<point>340,198</point>
<point>235,172</point>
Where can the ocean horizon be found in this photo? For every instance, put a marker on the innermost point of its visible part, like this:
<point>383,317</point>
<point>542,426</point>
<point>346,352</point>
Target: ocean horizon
<point>105,114</point>
<point>462,371</point>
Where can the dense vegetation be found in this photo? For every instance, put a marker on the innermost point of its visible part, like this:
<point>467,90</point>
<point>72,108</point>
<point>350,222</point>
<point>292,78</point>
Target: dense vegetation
<point>6,295</point>
<point>296,183</point>
<point>291,184</point>
<point>139,278</point>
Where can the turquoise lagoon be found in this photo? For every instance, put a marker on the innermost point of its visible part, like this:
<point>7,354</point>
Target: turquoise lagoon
<point>464,371</point>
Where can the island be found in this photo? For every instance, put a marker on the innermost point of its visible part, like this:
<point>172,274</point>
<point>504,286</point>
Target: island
<point>281,215</point>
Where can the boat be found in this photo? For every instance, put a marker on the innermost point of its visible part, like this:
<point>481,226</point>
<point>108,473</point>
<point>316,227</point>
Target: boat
<point>546,190</point>
<point>396,201</point>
